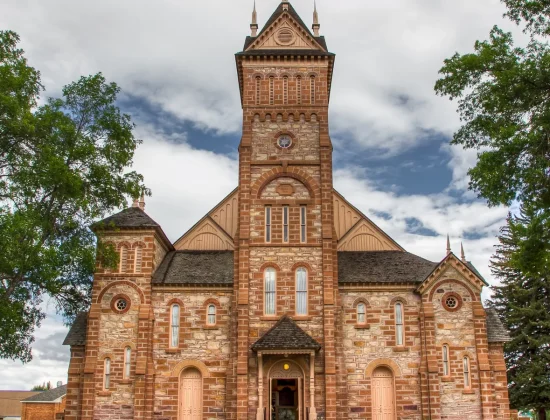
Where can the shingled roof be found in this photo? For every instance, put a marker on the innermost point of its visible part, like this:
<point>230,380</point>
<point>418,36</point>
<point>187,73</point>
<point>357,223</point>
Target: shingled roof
<point>77,332</point>
<point>51,395</point>
<point>382,267</point>
<point>496,331</point>
<point>196,268</point>
<point>132,217</point>
<point>285,335</point>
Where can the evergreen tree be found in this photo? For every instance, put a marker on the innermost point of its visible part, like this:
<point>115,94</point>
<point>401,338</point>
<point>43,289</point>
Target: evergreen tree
<point>522,264</point>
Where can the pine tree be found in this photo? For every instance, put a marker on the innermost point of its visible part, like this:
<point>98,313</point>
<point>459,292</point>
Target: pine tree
<point>522,265</point>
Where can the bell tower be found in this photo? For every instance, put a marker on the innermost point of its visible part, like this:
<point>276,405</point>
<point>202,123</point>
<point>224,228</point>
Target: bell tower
<point>285,245</point>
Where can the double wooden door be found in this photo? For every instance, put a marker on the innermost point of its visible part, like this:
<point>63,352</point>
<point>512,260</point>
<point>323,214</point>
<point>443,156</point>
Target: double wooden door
<point>190,398</point>
<point>383,398</point>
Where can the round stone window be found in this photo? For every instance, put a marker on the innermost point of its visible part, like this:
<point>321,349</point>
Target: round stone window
<point>284,141</point>
<point>120,304</point>
<point>451,301</point>
<point>285,36</point>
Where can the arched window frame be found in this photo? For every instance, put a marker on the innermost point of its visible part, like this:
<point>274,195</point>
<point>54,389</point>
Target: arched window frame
<point>302,295</point>
<point>467,374</point>
<point>211,313</point>
<point>270,291</point>
<point>123,262</point>
<point>446,360</point>
<point>106,373</point>
<point>399,312</point>
<point>127,362</point>
<point>175,316</point>
<point>138,258</point>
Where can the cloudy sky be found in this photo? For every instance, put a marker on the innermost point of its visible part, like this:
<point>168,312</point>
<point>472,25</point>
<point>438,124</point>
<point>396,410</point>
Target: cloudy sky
<point>174,62</point>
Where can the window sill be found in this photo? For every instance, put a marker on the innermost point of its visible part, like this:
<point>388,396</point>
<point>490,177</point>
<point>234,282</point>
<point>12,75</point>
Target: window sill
<point>269,318</point>
<point>125,382</point>
<point>173,351</point>
<point>400,349</point>
<point>302,318</point>
<point>362,326</point>
<point>104,393</point>
<point>211,327</point>
<point>468,392</point>
<point>446,379</point>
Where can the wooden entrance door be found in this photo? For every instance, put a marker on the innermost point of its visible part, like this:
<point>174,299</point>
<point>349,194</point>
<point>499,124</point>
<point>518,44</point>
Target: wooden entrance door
<point>190,403</point>
<point>383,398</point>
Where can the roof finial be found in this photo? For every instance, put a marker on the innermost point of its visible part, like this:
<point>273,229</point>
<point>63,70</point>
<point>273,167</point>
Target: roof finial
<point>136,202</point>
<point>141,204</point>
<point>462,255</point>
<point>315,25</point>
<point>285,4</point>
<point>448,245</point>
<point>254,24</point>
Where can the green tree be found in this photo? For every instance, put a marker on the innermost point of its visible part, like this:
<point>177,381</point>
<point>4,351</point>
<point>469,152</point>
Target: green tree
<point>63,164</point>
<point>44,387</point>
<point>522,264</point>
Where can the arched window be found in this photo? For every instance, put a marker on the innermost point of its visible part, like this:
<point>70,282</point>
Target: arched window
<point>138,259</point>
<point>467,378</point>
<point>285,223</point>
<point>361,313</point>
<point>211,314</point>
<point>301,291</point>
<point>271,90</point>
<point>303,211</point>
<point>270,284</point>
<point>175,326</point>
<point>127,361</point>
<point>312,89</point>
<point>299,90</point>
<point>285,90</point>
<point>258,91</point>
<point>399,324</point>
<point>107,373</point>
<point>446,370</point>
<point>123,264</point>
<point>268,223</point>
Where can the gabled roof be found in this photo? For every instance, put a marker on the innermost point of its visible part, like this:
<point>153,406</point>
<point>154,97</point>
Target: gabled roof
<point>496,331</point>
<point>205,268</point>
<point>279,11</point>
<point>286,335</point>
<point>51,395</point>
<point>77,332</point>
<point>371,267</point>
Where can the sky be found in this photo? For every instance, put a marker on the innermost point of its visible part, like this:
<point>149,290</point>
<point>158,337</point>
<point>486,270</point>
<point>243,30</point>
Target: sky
<point>174,61</point>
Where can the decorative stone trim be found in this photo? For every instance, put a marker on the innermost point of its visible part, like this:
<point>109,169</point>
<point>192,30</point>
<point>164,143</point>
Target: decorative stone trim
<point>184,364</point>
<point>120,282</point>
<point>389,363</point>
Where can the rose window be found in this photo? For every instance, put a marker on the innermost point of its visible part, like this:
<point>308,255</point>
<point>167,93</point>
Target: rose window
<point>121,304</point>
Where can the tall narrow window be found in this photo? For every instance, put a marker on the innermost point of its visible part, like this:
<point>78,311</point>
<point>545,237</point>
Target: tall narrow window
<point>271,90</point>
<point>285,90</point>
<point>270,280</point>
<point>107,374</point>
<point>467,379</point>
<point>303,232</point>
<point>123,259</point>
<point>258,91</point>
<point>175,326</point>
<point>285,223</point>
<point>361,313</point>
<point>312,89</point>
<point>211,314</point>
<point>138,259</point>
<point>127,362</point>
<point>268,224</point>
<point>301,291</point>
<point>446,370</point>
<point>399,324</point>
<point>299,90</point>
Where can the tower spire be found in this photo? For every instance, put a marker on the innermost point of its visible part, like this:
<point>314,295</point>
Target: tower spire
<point>448,245</point>
<point>254,24</point>
<point>462,255</point>
<point>315,25</point>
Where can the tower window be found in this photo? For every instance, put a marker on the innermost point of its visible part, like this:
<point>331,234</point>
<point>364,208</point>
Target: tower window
<point>303,231</point>
<point>211,314</point>
<point>268,224</point>
<point>107,373</point>
<point>446,369</point>
<point>285,223</point>
<point>285,90</point>
<point>299,90</point>
<point>312,89</point>
<point>138,259</point>
<point>127,362</point>
<point>271,90</point>
<point>258,91</point>
<point>399,324</point>
<point>175,326</point>
<point>361,313</point>
<point>123,259</point>
<point>270,280</point>
<point>467,379</point>
<point>301,291</point>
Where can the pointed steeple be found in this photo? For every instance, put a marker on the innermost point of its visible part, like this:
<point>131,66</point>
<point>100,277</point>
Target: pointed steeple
<point>448,245</point>
<point>315,25</point>
<point>462,255</point>
<point>254,24</point>
<point>141,203</point>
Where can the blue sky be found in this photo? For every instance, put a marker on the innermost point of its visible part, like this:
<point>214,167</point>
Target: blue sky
<point>174,62</point>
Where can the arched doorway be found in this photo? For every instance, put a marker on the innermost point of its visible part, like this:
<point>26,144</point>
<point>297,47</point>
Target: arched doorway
<point>383,394</point>
<point>190,395</point>
<point>286,391</point>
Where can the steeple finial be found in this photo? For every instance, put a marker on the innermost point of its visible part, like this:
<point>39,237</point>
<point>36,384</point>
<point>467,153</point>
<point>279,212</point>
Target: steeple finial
<point>136,202</point>
<point>448,245</point>
<point>462,255</point>
<point>315,25</point>
<point>254,24</point>
<point>285,4</point>
<point>141,203</point>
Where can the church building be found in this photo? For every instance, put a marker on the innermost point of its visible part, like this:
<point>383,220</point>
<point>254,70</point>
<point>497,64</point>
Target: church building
<point>284,302</point>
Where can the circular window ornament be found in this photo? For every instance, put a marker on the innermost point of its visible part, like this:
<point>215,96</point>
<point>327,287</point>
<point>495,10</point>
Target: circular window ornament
<point>451,301</point>
<point>286,366</point>
<point>120,304</point>
<point>285,37</point>
<point>284,141</point>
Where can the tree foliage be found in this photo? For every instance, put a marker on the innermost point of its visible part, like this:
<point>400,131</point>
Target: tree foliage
<point>63,164</point>
<point>44,387</point>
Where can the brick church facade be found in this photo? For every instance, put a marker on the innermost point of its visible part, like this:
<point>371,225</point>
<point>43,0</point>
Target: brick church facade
<point>284,302</point>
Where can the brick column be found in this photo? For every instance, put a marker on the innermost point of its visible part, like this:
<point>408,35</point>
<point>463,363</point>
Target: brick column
<point>90,363</point>
<point>500,381</point>
<point>429,370</point>
<point>74,384</point>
